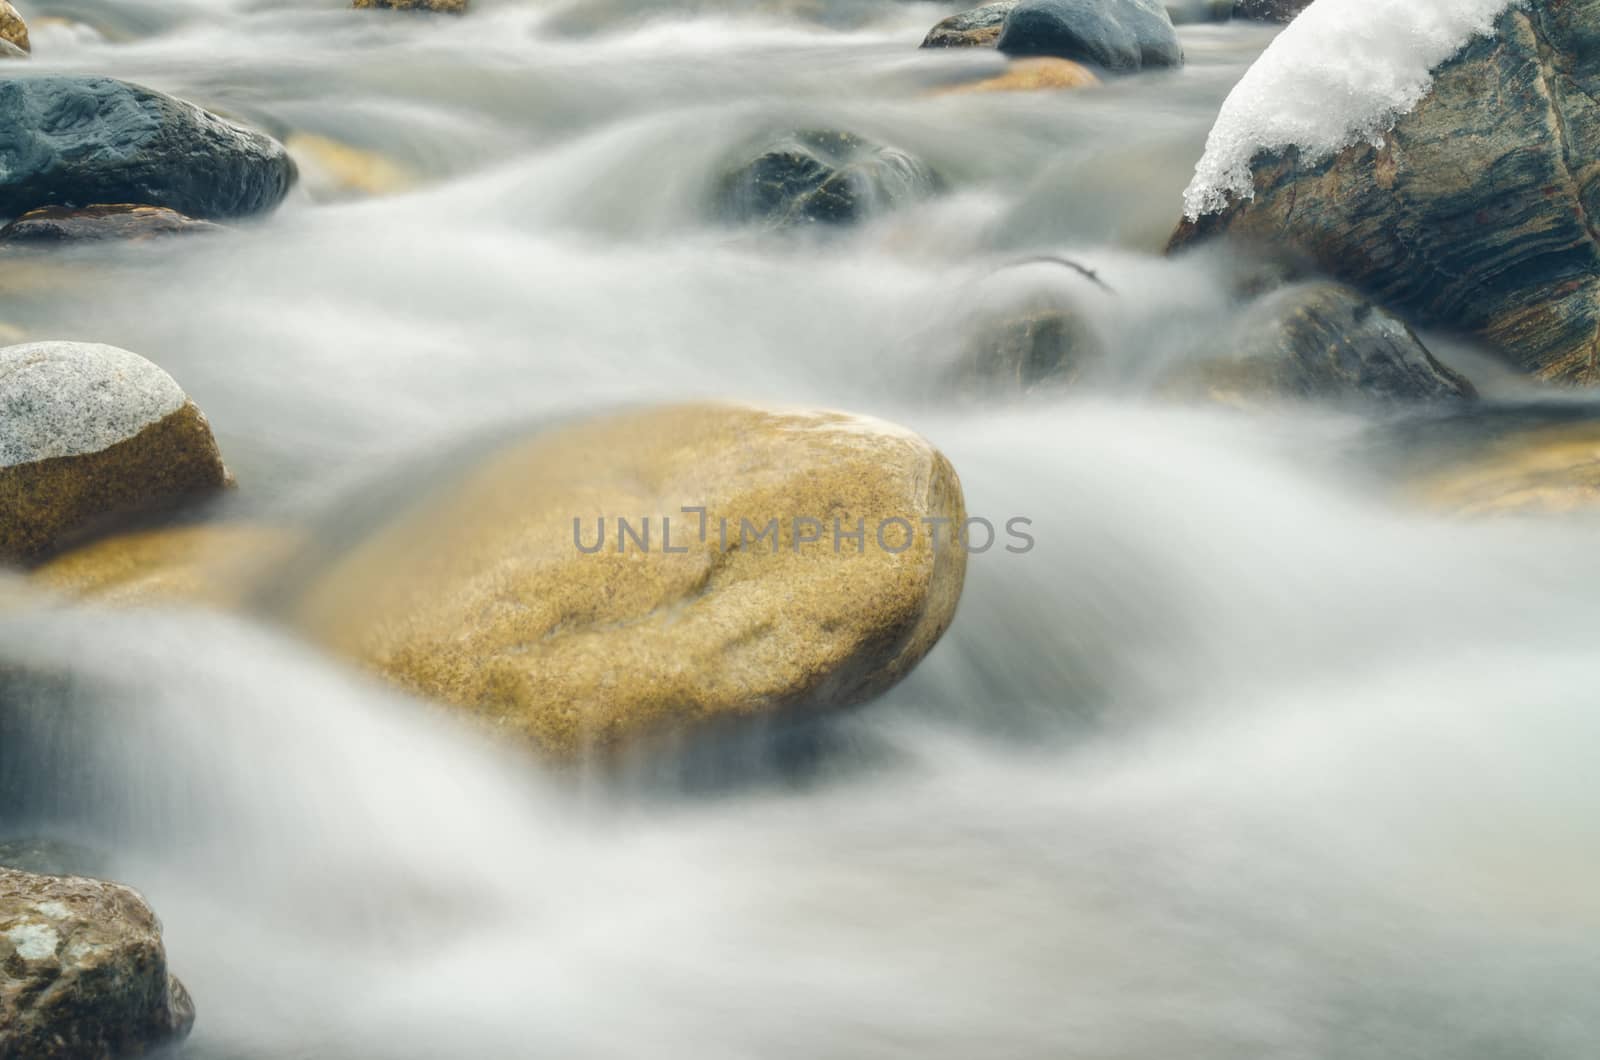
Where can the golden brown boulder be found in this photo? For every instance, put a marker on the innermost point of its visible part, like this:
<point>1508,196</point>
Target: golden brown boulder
<point>13,30</point>
<point>1035,75</point>
<point>449,7</point>
<point>90,434</point>
<point>63,224</point>
<point>560,592</point>
<point>218,564</point>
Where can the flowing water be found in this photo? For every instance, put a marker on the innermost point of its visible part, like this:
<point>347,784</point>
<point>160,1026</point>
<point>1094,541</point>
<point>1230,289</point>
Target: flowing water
<point>1244,759</point>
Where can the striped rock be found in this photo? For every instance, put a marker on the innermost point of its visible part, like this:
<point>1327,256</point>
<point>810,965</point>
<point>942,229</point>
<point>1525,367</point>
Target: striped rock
<point>1478,211</point>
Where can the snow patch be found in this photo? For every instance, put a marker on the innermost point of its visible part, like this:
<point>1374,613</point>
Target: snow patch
<point>1341,73</point>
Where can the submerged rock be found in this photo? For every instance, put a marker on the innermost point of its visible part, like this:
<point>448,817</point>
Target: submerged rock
<point>1030,332</point>
<point>1320,341</point>
<point>1035,75</point>
<point>449,7</point>
<point>333,170</point>
<point>1269,10</point>
<point>62,224</point>
<point>494,593</point>
<point>1532,468</point>
<point>218,564</point>
<point>978,28</point>
<point>76,140</point>
<point>90,434</point>
<point>821,177</point>
<point>1119,35</point>
<point>13,30</point>
<point>1476,211</point>
<point>83,972</point>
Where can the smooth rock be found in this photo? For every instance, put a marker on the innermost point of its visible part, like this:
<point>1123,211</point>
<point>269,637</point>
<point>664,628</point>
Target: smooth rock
<point>1269,10</point>
<point>820,177</point>
<point>83,972</point>
<point>216,564</point>
<point>488,593</point>
<point>1041,74</point>
<point>13,30</point>
<point>68,140</point>
<point>1119,35</point>
<point>449,7</point>
<point>978,28</point>
<point>90,434</point>
<point>1320,341</point>
<point>126,221</point>
<point>1475,213</point>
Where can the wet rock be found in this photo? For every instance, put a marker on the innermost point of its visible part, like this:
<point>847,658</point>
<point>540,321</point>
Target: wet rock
<point>978,28</point>
<point>1476,211</point>
<point>217,564</point>
<point>495,595</point>
<point>1119,35</point>
<point>820,177</point>
<point>449,7</point>
<point>13,30</point>
<point>1320,341</point>
<point>63,224</point>
<point>75,141</point>
<point>91,434</point>
<point>1035,75</point>
<point>83,972</point>
<point>1269,10</point>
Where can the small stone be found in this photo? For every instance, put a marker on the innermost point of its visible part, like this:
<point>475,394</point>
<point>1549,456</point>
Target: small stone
<point>1118,35</point>
<point>1043,74</point>
<point>821,176</point>
<point>978,28</point>
<point>126,221</point>
<point>90,434</point>
<point>83,972</point>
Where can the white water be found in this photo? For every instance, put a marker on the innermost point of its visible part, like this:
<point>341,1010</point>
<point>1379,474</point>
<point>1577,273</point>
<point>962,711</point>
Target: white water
<point>1243,760</point>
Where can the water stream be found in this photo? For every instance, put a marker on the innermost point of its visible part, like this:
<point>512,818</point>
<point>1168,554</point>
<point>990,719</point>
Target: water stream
<point>1245,759</point>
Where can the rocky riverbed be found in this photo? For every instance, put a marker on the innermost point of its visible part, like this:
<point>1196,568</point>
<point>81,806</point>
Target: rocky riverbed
<point>851,528</point>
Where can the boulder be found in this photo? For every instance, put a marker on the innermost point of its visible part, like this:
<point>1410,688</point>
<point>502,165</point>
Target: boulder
<point>217,564</point>
<point>1320,341</point>
<point>1269,10</point>
<point>820,177</point>
<point>978,28</point>
<point>13,30</point>
<point>1475,212</point>
<point>516,593</point>
<point>83,972</point>
<point>449,7</point>
<point>91,434</point>
<point>63,224</point>
<point>1035,75</point>
<point>69,140</point>
<point>1119,35</point>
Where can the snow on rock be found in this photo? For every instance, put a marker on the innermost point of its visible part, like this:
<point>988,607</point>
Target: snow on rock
<point>1341,73</point>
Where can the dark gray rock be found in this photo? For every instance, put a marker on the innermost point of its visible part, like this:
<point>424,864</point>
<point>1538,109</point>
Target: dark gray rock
<point>83,972</point>
<point>978,28</point>
<point>1320,341</point>
<point>1030,327</point>
<point>1122,35</point>
<point>81,141</point>
<point>1478,211</point>
<point>1269,10</point>
<point>821,177</point>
